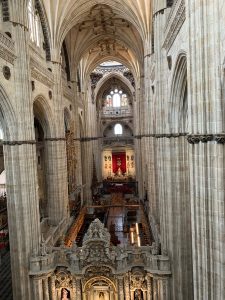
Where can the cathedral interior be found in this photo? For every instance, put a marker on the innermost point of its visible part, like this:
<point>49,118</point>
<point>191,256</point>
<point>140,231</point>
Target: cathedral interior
<point>112,133</point>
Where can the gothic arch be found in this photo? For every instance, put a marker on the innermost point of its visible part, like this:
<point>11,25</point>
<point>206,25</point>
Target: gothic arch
<point>91,281</point>
<point>106,82</point>
<point>7,116</point>
<point>67,119</point>
<point>113,123</point>
<point>45,27</point>
<point>178,96</point>
<point>107,77</point>
<point>43,112</point>
<point>66,58</point>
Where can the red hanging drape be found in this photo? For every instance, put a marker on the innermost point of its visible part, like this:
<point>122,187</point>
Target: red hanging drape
<point>119,159</point>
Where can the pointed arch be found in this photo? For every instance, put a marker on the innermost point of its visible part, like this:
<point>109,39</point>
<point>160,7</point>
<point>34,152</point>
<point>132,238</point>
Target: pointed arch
<point>45,27</point>
<point>67,119</point>
<point>8,118</point>
<point>43,112</point>
<point>178,96</point>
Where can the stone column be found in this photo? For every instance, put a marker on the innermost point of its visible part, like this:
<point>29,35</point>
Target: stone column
<point>20,164</point>
<point>206,111</point>
<point>155,289</point>
<point>164,292</point>
<point>38,288</point>
<point>56,173</point>
<point>73,292</point>
<point>149,288</point>
<point>78,291</point>
<point>46,288</point>
<point>111,293</point>
<point>131,295</point>
<point>127,287</point>
<point>52,286</point>
<point>145,295</point>
<point>57,186</point>
<point>121,290</point>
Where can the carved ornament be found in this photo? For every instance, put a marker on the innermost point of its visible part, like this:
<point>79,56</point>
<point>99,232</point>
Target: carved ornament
<point>7,48</point>
<point>175,22</point>
<point>41,74</point>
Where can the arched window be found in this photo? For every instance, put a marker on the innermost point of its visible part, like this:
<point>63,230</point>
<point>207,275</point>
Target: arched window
<point>34,24</point>
<point>1,134</point>
<point>116,98</point>
<point>118,129</point>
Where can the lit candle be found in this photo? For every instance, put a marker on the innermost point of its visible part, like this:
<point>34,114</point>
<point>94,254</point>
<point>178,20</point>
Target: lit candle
<point>137,229</point>
<point>139,241</point>
<point>132,236</point>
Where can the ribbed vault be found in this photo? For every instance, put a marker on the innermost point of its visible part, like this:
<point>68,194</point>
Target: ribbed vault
<point>64,15</point>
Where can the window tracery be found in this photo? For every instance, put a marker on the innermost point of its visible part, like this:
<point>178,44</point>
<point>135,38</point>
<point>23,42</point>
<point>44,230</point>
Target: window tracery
<point>34,23</point>
<point>116,98</point>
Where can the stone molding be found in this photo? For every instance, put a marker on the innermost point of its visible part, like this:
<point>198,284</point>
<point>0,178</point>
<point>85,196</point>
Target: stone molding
<point>31,142</point>
<point>16,143</point>
<point>56,139</point>
<point>41,74</point>
<point>204,138</point>
<point>174,24</point>
<point>191,138</point>
<point>160,135</point>
<point>7,48</point>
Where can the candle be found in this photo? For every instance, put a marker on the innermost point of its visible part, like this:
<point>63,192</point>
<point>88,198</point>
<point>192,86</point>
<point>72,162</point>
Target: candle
<point>139,241</point>
<point>137,229</point>
<point>132,236</point>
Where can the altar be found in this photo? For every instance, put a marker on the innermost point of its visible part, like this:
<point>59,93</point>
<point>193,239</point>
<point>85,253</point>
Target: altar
<point>118,165</point>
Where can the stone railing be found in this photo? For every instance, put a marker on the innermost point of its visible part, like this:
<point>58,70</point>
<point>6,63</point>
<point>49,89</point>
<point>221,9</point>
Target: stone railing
<point>120,140</point>
<point>116,112</point>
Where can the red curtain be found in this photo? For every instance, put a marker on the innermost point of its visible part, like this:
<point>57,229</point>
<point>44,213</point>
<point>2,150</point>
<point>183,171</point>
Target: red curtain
<point>119,160</point>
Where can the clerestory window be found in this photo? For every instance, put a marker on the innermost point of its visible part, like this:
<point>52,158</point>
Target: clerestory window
<point>118,129</point>
<point>34,24</point>
<point>116,98</point>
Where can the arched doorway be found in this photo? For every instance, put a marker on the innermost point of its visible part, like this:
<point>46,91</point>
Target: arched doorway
<point>99,288</point>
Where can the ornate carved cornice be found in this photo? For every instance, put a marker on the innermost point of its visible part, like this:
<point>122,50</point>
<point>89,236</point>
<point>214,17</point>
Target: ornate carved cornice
<point>220,138</point>
<point>205,138</point>
<point>41,74</point>
<point>175,22</point>
<point>7,48</point>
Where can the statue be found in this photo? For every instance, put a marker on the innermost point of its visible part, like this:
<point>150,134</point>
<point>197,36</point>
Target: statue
<point>101,296</point>
<point>65,294</point>
<point>137,294</point>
